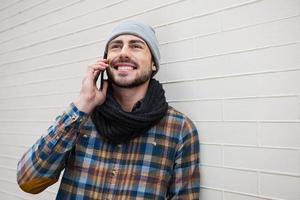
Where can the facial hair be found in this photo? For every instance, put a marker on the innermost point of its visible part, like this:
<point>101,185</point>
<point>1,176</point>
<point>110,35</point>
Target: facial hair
<point>141,78</point>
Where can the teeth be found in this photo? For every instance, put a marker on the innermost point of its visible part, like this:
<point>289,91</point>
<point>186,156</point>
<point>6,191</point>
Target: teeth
<point>125,68</point>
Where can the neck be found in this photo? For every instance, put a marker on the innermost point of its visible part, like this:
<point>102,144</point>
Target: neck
<point>127,97</point>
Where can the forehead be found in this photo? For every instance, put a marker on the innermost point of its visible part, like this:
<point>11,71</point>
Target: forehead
<point>127,38</point>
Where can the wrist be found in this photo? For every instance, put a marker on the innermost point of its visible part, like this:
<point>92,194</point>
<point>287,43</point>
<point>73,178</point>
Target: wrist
<point>84,106</point>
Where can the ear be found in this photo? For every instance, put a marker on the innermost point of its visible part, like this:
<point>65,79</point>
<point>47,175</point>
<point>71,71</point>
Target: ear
<point>153,66</point>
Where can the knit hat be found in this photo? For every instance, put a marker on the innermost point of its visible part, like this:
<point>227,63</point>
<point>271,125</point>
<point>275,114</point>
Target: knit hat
<point>140,30</point>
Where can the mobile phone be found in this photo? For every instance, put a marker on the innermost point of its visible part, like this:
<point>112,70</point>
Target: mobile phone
<point>101,80</point>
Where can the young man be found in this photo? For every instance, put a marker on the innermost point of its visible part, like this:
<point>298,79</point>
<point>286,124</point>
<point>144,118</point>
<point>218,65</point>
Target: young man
<point>121,142</point>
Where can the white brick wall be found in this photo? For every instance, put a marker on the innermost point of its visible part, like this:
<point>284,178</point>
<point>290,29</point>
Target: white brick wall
<point>232,65</point>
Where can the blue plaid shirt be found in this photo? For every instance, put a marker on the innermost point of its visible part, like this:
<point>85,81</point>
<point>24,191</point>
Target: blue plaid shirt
<point>161,164</point>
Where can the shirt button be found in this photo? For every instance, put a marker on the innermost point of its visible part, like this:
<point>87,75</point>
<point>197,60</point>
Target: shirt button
<point>85,136</point>
<point>73,118</point>
<point>114,172</point>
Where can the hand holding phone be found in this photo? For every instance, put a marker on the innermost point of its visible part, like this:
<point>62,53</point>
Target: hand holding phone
<point>90,95</point>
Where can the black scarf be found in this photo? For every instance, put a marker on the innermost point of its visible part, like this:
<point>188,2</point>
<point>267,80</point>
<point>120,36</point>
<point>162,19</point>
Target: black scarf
<point>118,126</point>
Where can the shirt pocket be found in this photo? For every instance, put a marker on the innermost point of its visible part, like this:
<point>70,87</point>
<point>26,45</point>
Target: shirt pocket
<point>152,183</point>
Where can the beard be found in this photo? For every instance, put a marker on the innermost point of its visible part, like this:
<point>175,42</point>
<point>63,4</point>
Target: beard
<point>141,78</point>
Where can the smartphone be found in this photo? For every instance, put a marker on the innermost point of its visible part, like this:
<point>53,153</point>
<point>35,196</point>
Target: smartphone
<point>101,80</point>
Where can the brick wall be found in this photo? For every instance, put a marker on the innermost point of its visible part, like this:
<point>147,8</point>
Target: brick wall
<point>232,65</point>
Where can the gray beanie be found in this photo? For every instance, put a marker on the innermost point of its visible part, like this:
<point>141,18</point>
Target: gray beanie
<point>140,30</point>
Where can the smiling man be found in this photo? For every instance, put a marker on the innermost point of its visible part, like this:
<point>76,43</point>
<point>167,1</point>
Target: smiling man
<point>121,142</point>
<point>128,67</point>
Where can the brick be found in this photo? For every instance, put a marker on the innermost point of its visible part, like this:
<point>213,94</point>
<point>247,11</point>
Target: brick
<point>54,37</point>
<point>72,55</point>
<point>210,45</point>
<point>280,134</point>
<point>256,13</point>
<point>7,174</point>
<point>277,58</point>
<point>7,196</point>
<point>229,179</point>
<point>211,154</point>
<point>210,194</point>
<point>233,196</point>
<point>49,87</point>
<point>196,26</point>
<point>229,3</point>
<point>200,110</point>
<point>14,7</point>
<point>278,186</point>
<point>13,150</point>
<point>59,100</point>
<point>279,108</point>
<point>24,127</point>
<point>226,87</point>
<point>45,73</point>
<point>279,160</point>
<point>61,44</point>
<point>279,32</point>
<point>17,140</point>
<point>177,51</point>
<point>30,114</point>
<point>228,132</point>
<point>193,69</point>
<point>38,10</point>
<point>89,20</point>
<point>186,9</point>
<point>8,161</point>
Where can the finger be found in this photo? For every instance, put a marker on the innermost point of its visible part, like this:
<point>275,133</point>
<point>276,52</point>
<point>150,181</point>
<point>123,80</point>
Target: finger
<point>105,86</point>
<point>99,66</point>
<point>94,69</point>
<point>102,60</point>
<point>96,75</point>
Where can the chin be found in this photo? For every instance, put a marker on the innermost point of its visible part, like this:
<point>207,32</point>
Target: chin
<point>130,83</point>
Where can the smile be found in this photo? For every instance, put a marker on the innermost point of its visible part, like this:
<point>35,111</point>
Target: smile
<point>124,66</point>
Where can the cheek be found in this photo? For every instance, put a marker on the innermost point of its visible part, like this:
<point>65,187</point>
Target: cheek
<point>109,58</point>
<point>146,60</point>
<point>112,55</point>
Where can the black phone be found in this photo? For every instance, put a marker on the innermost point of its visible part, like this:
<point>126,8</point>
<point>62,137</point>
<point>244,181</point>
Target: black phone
<point>101,80</point>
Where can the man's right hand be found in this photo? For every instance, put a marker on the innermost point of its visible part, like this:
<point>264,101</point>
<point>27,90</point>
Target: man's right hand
<point>91,96</point>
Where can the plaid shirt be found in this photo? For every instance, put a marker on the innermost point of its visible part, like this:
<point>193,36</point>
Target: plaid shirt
<point>161,164</point>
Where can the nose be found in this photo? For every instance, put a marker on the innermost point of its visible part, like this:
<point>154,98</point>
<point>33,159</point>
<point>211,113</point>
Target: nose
<point>124,53</point>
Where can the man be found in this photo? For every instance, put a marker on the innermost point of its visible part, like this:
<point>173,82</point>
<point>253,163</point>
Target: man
<point>121,142</point>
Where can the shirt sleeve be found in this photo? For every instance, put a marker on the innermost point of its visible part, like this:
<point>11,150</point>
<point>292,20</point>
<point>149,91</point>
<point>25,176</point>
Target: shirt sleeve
<point>185,182</point>
<point>41,165</point>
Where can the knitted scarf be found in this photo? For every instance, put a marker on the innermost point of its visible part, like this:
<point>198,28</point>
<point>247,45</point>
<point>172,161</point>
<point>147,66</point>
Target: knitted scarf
<point>118,126</point>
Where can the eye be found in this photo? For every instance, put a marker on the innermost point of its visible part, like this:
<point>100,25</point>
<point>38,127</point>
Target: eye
<point>115,46</point>
<point>137,46</point>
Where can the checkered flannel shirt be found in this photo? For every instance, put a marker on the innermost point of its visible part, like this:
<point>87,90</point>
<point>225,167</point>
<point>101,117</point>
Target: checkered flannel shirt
<point>161,164</point>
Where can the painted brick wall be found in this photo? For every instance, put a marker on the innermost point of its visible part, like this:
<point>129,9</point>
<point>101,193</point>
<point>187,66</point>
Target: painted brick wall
<point>232,65</point>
